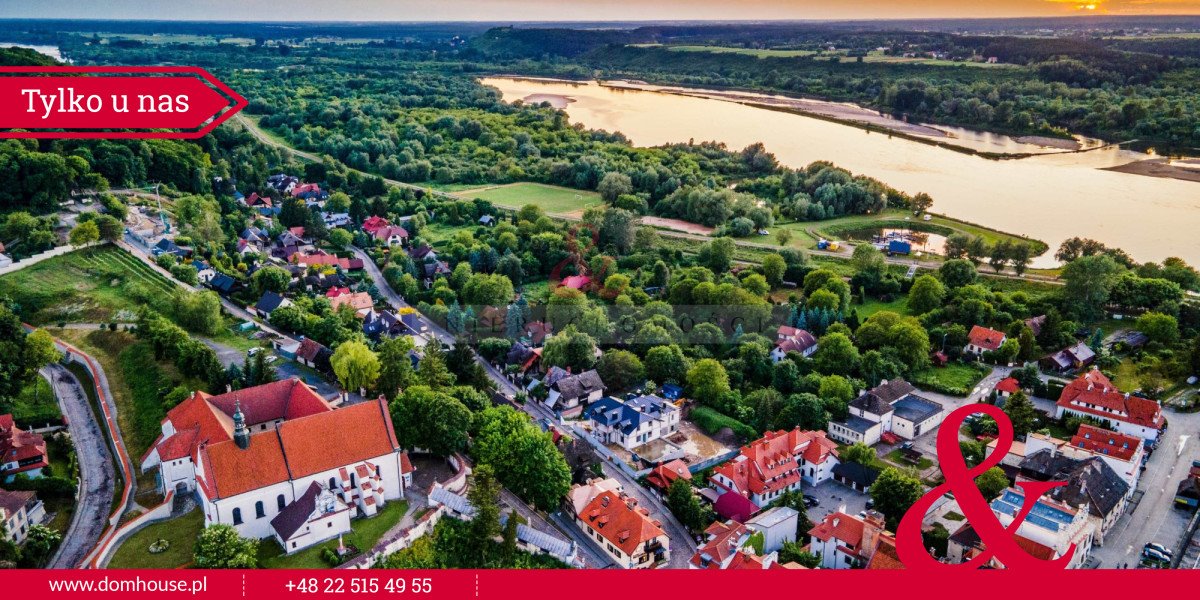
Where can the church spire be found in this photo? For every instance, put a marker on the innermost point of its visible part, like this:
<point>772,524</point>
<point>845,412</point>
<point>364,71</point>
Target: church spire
<point>241,435</point>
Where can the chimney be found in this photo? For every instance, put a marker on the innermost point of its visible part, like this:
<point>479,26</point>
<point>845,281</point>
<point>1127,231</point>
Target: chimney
<point>872,528</point>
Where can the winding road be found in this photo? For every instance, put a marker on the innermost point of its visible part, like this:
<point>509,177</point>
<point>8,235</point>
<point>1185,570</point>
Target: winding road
<point>97,477</point>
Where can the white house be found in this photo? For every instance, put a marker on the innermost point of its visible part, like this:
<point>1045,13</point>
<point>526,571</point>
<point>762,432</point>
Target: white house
<point>982,339</point>
<point>842,541</point>
<point>632,423</point>
<point>1057,525</point>
<point>574,390</point>
<point>891,407</point>
<point>622,528</point>
<point>777,463</point>
<point>1093,395</point>
<point>790,339</point>
<point>18,512</point>
<point>1123,453</point>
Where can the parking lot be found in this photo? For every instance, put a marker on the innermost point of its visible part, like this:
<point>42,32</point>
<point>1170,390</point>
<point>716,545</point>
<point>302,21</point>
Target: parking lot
<point>832,495</point>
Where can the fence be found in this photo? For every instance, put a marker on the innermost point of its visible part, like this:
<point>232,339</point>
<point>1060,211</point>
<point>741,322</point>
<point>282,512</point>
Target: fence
<point>36,258</point>
<point>713,461</point>
<point>158,513</point>
<point>609,456</point>
<point>398,542</point>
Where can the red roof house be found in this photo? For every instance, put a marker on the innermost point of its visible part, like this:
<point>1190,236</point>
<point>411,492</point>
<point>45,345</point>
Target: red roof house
<point>20,451</point>
<point>373,223</point>
<point>777,462</point>
<point>1093,395</point>
<point>663,475</point>
<point>981,339</point>
<point>1008,386</point>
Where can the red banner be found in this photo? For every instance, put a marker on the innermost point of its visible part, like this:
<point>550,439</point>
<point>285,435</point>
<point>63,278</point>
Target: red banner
<point>84,101</point>
<point>594,584</point>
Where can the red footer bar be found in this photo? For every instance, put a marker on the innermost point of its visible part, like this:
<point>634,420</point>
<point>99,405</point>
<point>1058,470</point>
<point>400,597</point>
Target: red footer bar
<point>606,585</point>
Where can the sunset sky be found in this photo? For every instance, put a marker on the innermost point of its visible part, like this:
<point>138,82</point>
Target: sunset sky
<point>575,10</point>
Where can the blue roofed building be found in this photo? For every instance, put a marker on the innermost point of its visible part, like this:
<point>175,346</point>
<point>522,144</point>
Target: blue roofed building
<point>632,423</point>
<point>1052,523</point>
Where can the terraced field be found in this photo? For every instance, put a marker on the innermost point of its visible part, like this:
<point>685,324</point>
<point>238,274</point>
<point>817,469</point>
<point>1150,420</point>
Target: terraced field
<point>92,285</point>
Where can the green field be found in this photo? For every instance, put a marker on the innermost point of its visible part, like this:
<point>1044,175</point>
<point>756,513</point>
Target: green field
<point>93,285</point>
<point>134,552</point>
<point>955,379</point>
<point>553,199</point>
<point>805,234</point>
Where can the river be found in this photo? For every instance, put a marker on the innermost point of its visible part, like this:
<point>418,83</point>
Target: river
<point>1050,196</point>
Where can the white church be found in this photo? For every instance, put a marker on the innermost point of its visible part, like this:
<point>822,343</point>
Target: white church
<point>277,461</point>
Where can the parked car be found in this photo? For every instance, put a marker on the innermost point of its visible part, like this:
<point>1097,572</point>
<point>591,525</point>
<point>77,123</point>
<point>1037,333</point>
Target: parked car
<point>1154,555</point>
<point>1160,548</point>
<point>811,501</point>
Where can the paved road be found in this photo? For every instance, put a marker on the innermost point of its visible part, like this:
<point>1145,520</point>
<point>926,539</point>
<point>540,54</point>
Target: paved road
<point>96,470</point>
<point>682,544</point>
<point>136,249</point>
<point>1154,518</point>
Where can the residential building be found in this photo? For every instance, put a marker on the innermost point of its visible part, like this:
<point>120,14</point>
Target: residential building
<point>1076,357</point>
<point>320,258</point>
<point>250,454</point>
<point>1125,454</point>
<point>19,510</point>
<point>374,223</point>
<point>392,235</point>
<point>842,541</point>
<point>1007,387</point>
<point>965,544</point>
<point>981,339</point>
<point>20,451</point>
<point>624,530</point>
<point>855,476</point>
<point>790,339</point>
<point>574,390</point>
<point>1049,523</point>
<point>777,463</point>
<point>777,526</point>
<point>632,423</point>
<point>267,304</point>
<point>1093,395</point>
<point>893,407</point>
<point>312,353</point>
<point>663,475</point>
<point>359,302</point>
<point>1089,483</point>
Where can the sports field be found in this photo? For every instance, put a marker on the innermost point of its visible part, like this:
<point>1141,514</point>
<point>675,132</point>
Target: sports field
<point>553,199</point>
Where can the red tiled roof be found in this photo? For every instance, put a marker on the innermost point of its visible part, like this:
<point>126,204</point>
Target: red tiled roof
<point>725,541</point>
<point>388,231</point>
<point>840,526</point>
<point>307,187</point>
<point>620,521</point>
<point>207,419</point>
<point>732,505</point>
<point>885,556</point>
<point>1103,441</point>
<point>13,501</point>
<point>299,448</point>
<point>988,339</point>
<point>663,475</point>
<point>770,464</point>
<point>1008,385</point>
<point>357,301</point>
<point>373,222</point>
<point>405,464</point>
<point>1092,393</point>
<point>309,349</point>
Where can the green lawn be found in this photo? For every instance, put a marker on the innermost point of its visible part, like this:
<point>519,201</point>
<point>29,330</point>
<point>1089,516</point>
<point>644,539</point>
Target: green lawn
<point>366,533</point>
<point>872,306</point>
<point>896,458</point>
<point>91,285</point>
<point>134,552</point>
<point>35,405</point>
<point>1126,376</point>
<point>553,199</point>
<point>805,234</point>
<point>956,379</point>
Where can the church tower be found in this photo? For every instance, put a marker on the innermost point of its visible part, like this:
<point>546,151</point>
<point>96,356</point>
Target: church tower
<point>241,435</point>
